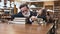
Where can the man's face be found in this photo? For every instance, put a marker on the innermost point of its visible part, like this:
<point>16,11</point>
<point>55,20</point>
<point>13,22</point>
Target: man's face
<point>24,9</point>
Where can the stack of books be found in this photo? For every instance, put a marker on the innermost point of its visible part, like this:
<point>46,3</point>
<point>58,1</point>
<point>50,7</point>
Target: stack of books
<point>18,20</point>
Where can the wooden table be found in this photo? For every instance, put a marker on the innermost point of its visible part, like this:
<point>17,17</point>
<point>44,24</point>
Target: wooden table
<point>24,29</point>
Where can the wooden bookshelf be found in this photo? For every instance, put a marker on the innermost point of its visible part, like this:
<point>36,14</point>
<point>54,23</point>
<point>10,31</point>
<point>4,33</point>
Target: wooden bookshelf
<point>1,11</point>
<point>57,9</point>
<point>49,7</point>
<point>38,5</point>
<point>5,16</point>
<point>15,9</point>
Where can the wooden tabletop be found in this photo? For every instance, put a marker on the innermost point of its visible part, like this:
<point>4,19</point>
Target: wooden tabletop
<point>24,29</point>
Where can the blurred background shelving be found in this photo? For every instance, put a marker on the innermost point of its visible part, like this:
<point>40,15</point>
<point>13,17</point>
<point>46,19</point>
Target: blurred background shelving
<point>13,5</point>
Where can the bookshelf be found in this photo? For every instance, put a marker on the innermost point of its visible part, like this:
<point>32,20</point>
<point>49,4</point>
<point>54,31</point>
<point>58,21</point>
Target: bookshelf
<point>57,9</point>
<point>49,7</point>
<point>5,14</point>
<point>38,5</point>
<point>1,11</point>
<point>6,17</point>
